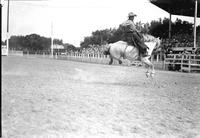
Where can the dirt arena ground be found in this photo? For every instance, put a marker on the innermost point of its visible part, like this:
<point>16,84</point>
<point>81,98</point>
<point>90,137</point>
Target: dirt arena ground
<point>46,98</point>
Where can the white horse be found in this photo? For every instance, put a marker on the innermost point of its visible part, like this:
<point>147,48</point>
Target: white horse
<point>121,50</point>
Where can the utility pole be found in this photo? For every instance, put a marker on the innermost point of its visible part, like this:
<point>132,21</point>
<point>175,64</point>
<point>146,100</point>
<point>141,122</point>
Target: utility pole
<point>7,35</point>
<point>1,17</point>
<point>170,25</point>
<point>52,39</point>
<point>195,17</point>
<point>1,83</point>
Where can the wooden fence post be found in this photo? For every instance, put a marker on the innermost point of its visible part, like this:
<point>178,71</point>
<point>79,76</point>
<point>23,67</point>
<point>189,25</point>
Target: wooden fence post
<point>163,62</point>
<point>182,58</point>
<point>189,63</point>
<point>157,57</point>
<point>152,58</point>
<point>56,55</point>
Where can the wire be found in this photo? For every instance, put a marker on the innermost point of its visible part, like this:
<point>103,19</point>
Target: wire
<point>26,0</point>
<point>29,2</point>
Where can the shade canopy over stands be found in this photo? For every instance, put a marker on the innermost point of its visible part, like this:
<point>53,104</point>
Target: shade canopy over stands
<point>180,7</point>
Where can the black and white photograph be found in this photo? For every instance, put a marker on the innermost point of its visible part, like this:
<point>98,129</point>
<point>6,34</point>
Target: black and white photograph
<point>100,68</point>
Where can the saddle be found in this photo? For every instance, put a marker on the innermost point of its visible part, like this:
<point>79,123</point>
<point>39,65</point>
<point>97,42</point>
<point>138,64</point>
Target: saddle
<point>132,42</point>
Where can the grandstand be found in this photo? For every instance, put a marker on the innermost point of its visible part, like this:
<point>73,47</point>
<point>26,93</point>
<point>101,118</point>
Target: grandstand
<point>182,48</point>
<point>180,7</point>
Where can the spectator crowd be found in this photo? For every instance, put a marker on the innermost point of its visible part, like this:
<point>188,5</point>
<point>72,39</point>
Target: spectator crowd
<point>180,40</point>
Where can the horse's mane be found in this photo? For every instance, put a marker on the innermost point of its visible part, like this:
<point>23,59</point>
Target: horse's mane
<point>149,38</point>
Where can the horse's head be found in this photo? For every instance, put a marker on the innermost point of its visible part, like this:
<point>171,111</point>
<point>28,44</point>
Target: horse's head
<point>153,44</point>
<point>150,38</point>
<point>158,43</point>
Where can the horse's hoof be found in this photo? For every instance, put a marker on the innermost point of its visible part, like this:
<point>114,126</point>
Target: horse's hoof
<point>152,75</point>
<point>147,74</point>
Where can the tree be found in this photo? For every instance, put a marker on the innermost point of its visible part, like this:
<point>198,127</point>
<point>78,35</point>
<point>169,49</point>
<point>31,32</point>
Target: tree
<point>70,47</point>
<point>98,37</point>
<point>32,42</point>
<point>161,28</point>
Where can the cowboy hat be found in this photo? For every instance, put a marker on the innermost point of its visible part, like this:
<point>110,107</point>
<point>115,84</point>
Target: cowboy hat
<point>131,14</point>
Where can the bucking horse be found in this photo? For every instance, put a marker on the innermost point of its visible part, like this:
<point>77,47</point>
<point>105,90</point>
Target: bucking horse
<point>122,50</point>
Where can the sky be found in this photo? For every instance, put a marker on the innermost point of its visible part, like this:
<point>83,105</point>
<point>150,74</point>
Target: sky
<point>72,20</point>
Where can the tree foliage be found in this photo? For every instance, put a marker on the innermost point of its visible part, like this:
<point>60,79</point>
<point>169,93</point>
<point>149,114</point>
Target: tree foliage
<point>34,42</point>
<point>159,28</point>
<point>98,37</point>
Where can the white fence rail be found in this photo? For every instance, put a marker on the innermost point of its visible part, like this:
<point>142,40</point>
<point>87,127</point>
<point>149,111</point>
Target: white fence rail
<point>15,53</point>
<point>189,62</point>
<point>92,58</point>
<point>102,59</point>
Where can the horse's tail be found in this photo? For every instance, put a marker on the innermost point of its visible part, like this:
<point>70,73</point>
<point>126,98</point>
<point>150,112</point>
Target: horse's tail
<point>106,50</point>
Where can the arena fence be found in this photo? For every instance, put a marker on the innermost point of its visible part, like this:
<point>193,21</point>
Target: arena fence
<point>183,62</point>
<point>15,53</point>
<point>102,59</point>
<point>188,63</point>
<point>97,58</point>
<point>90,58</point>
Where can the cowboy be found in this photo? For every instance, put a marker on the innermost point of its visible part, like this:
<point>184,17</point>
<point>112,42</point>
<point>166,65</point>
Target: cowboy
<point>132,35</point>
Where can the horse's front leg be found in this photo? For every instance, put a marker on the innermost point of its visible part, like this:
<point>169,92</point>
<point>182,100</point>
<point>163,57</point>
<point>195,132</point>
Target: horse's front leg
<point>150,70</point>
<point>148,73</point>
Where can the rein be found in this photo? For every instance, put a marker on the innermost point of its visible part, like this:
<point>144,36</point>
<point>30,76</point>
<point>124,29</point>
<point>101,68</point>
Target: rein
<point>149,38</point>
